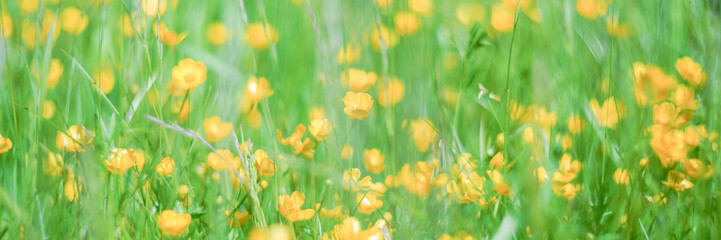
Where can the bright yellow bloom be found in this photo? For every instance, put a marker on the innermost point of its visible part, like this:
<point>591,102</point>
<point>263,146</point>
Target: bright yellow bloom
<point>421,7</point>
<point>238,218</point>
<point>132,25</point>
<point>406,23</point>
<point>188,73</point>
<point>257,89</point>
<point>677,181</point>
<point>350,229</point>
<point>7,25</point>
<point>171,223</point>
<point>501,18</point>
<point>105,80</point>
<point>391,93</point>
<point>263,164</point>
<point>316,112</point>
<point>374,160</point>
<point>290,207</point>
<point>499,182</point>
<point>422,133</point>
<point>48,109</point>
<point>333,213</point>
<point>259,37</point>
<point>166,166</point>
<point>691,71</point>
<point>616,29</point>
<point>497,161</point>
<point>5,144</point>
<point>383,4</point>
<point>346,152</point>
<point>385,36</point>
<point>73,20</point>
<point>568,169</point>
<point>48,23</point>
<point>541,174</point>
<point>274,232</point>
<point>54,164</point>
<point>576,125</point>
<point>651,83</point>
<point>620,176</point>
<point>469,13</point>
<point>71,187</point>
<point>216,129</point>
<point>294,138</point>
<point>225,161</point>
<point>168,36</point>
<point>306,148</point>
<point>28,6</point>
<point>609,113</point>
<point>153,8</point>
<point>74,139</point>
<point>368,202</point>
<point>418,180</point>
<point>684,98</point>
<point>319,128</point>
<point>121,160</point>
<point>217,33</point>
<point>357,105</point>
<point>358,80</point>
<point>352,180</point>
<point>669,144</point>
<point>182,109</point>
<point>566,141</point>
<point>567,190</point>
<point>696,169</point>
<point>53,76</point>
<point>591,9</point>
<point>349,54</point>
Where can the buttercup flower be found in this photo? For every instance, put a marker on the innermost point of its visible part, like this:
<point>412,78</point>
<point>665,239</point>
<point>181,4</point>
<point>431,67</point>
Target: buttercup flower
<point>168,36</point>
<point>696,169</point>
<point>591,9</point>
<point>290,207</point>
<point>346,152</point>
<point>620,176</point>
<point>74,139</point>
<point>259,37</point>
<point>153,8</point>
<point>391,93</point>
<point>55,71</point>
<point>349,54</point>
<point>421,7</point>
<point>238,218</point>
<point>54,164</point>
<point>385,36</point>
<point>677,181</point>
<point>166,166</point>
<point>422,133</point>
<point>216,129</point>
<point>350,229</point>
<point>306,148</point>
<point>576,125</point>
<point>173,224</point>
<point>257,89</point>
<point>406,23</point>
<point>121,160</point>
<point>263,163</point>
<point>274,232</point>
<point>609,113</point>
<point>105,80</point>
<point>48,109</point>
<point>182,109</point>
<point>469,13</point>
<point>368,202</point>
<point>28,6</point>
<point>691,71</point>
<point>501,18</point>
<point>374,160</point>
<point>319,128</point>
<point>188,73</point>
<point>383,4</point>
<point>71,188</point>
<point>7,25</point>
<point>499,183</point>
<point>358,80</point>
<point>224,161</point>
<point>5,144</point>
<point>616,29</point>
<point>357,105</point>
<point>294,138</point>
<point>73,20</point>
<point>217,34</point>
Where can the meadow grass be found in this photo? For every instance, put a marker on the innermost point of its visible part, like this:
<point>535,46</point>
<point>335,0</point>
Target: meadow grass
<point>491,119</point>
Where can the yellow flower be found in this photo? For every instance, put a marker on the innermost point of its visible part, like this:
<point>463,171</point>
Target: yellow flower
<point>469,13</point>
<point>74,139</point>
<point>669,144</point>
<point>609,113</point>
<point>697,169</point>
<point>274,232</point>
<point>257,89</point>
<point>71,187</point>
<point>263,164</point>
<point>105,80</point>
<point>565,190</point>
<point>349,54</point>
<point>383,4</point>
<point>294,138</point>
<point>5,144</point>
<point>691,71</point>
<point>73,20</point>
<point>389,39</point>
<point>166,166</point>
<point>238,218</point>
<point>390,93</point>
<point>171,223</point>
<point>319,128</point>
<point>216,129</point>
<point>417,181</point>
<point>368,202</point>
<point>567,169</point>
<point>684,98</point>
<point>290,207</point>
<point>316,113</point>
<point>346,152</point>
<point>501,18</point>
<point>422,133</point>
<point>54,73</point>
<point>225,161</point>
<point>576,125</point>
<point>259,37</point>
<point>350,229</point>
<point>7,25</point>
<point>28,6</point>
<point>153,8</point>
<point>182,109</point>
<point>217,33</point>
<point>48,109</point>
<point>541,174</point>
<point>617,30</point>
<point>188,73</point>
<point>499,182</point>
<point>29,30</point>
<point>352,180</point>
<point>357,105</point>
<point>306,148</point>
<point>422,7</point>
<point>374,160</point>
<point>497,161</point>
<point>358,80</point>
<point>406,23</point>
<point>121,160</point>
<point>651,83</point>
<point>677,181</point>
<point>528,135</point>
<point>591,9</point>
<point>53,165</point>
<point>620,176</point>
<point>132,26</point>
<point>168,36</point>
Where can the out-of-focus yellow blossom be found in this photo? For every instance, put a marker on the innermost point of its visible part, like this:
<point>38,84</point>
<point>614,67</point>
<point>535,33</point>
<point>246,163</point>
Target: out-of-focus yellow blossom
<point>368,202</point>
<point>691,71</point>
<point>48,23</point>
<point>357,105</point>
<point>71,187</point>
<point>421,7</point>
<point>140,161</point>
<point>609,113</point>
<point>385,36</point>
<point>374,160</point>
<point>350,229</point>
<point>541,174</point>
<point>667,114</point>
<point>168,36</point>
<point>567,169</point>
<point>263,164</point>
<point>73,20</point>
<point>696,169</point>
<point>74,139</point>
<point>48,109</point>
<point>54,164</point>
<point>567,191</point>
<point>677,181</point>
<point>651,83</point>
<point>406,23</point>
<point>121,160</point>
<point>528,135</point>
<point>316,113</point>
<point>346,152</point>
<point>290,207</point>
<point>319,128</point>
<point>216,129</point>
<point>468,188</point>
<point>225,161</point>
<point>469,13</point>
<point>28,6</point>
<point>591,9</point>
<point>501,18</point>
<point>643,163</point>
<point>259,37</point>
<point>182,109</point>
<point>105,80</point>
<point>616,29</point>
<point>306,148</point>
<point>497,161</point>
<point>275,232</point>
<point>576,125</point>
<point>217,33</point>
<point>620,176</point>
<point>684,98</point>
<point>417,180</point>
<point>153,8</point>
<point>499,183</point>
<point>422,133</point>
<point>294,138</point>
<point>566,142</point>
<point>333,213</point>
<point>358,80</point>
<point>353,182</point>
<point>238,218</point>
<point>500,140</point>
<point>132,25</point>
<point>669,144</point>
<point>171,223</point>
<point>512,4</point>
<point>257,89</point>
<point>7,25</point>
<point>349,54</point>
<point>166,166</point>
<point>383,4</point>
<point>389,94</point>
<point>188,74</point>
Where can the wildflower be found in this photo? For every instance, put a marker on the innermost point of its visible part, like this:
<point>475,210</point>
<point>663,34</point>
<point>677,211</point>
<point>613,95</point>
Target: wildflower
<point>368,202</point>
<point>182,109</point>
<point>319,128</point>
<point>71,187</point>
<point>353,182</point>
<point>238,218</point>
<point>188,73</point>
<point>74,139</point>
<point>499,183</point>
<point>576,125</point>
<point>52,78</point>
<point>616,29</point>
<point>418,180</point>
<point>166,166</point>
<point>48,109</point>
<point>501,18</point>
<point>567,169</point>
<point>357,105</point>
<point>274,232</point>
<point>349,54</point>
<point>497,161</point>
<point>666,114</point>
<point>333,213</point>
<point>643,163</point>
<point>28,6</point>
<point>567,190</point>
<point>383,37</point>
<point>7,25</point>
<point>259,37</point>
<point>171,223</point>
<point>224,161</point>
<point>469,13</point>
<point>53,165</point>
<point>591,9</point>
<point>669,144</point>
<point>217,34</point>
<point>5,144</point>
<point>609,113</point>
<point>651,83</point>
<point>541,174</point>
<point>391,93</point>
<point>694,134</point>
<point>346,152</point>
<point>154,8</point>
<point>290,207</point>
<point>422,133</point>
<point>263,164</point>
<point>121,160</point>
<point>258,89</point>
<point>421,7</point>
<point>406,23</point>
<point>383,4</point>
<point>294,138</point>
<point>306,148</point>
<point>358,80</point>
<point>168,36</point>
<point>677,181</point>
<point>374,160</point>
<point>620,176</point>
<point>691,71</point>
<point>500,140</point>
<point>48,23</point>
<point>684,99</point>
<point>132,25</point>
<point>697,169</point>
<point>528,135</point>
<point>73,20</point>
<point>350,228</point>
<point>216,129</point>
